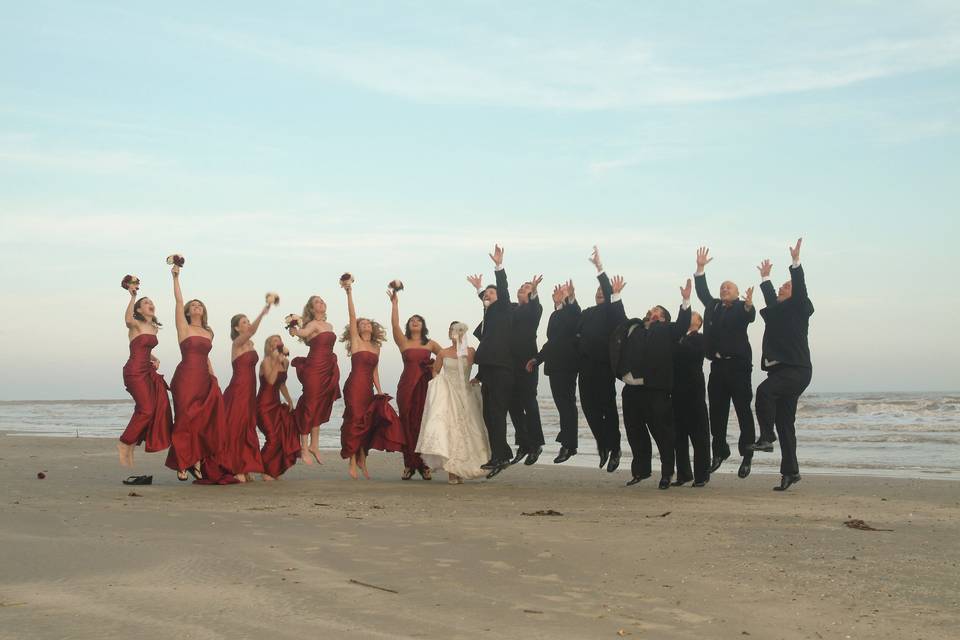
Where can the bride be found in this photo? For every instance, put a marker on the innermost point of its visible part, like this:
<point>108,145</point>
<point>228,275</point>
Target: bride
<point>452,435</point>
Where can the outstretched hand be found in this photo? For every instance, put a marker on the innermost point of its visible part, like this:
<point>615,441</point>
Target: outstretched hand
<point>476,280</point>
<point>686,289</point>
<point>497,255</point>
<point>703,258</point>
<point>571,293</point>
<point>765,268</point>
<point>175,270</point>
<point>558,293</point>
<point>795,251</point>
<point>748,299</point>
<point>595,259</point>
<point>392,295</point>
<point>535,282</point>
<point>617,283</point>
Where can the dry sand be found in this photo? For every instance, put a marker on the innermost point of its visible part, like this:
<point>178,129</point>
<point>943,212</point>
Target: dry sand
<point>320,555</point>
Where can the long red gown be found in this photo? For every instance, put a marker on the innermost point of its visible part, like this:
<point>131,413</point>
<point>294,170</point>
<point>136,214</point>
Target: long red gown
<point>199,417</point>
<point>369,422</point>
<point>240,448</point>
<point>282,446</point>
<point>320,377</point>
<point>411,398</point>
<point>152,420</point>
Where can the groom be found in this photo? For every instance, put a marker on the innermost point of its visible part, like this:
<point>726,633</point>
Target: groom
<point>495,362</point>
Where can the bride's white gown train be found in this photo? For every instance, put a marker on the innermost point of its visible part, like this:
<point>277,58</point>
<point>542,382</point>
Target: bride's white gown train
<point>452,434</point>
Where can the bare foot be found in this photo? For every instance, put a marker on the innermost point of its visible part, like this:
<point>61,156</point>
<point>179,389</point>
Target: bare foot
<point>305,458</point>
<point>242,477</point>
<point>181,476</point>
<point>267,478</point>
<point>353,471</point>
<point>126,454</point>
<point>315,454</point>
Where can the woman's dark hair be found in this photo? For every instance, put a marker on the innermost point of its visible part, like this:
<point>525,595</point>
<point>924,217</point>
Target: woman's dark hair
<point>424,332</point>
<point>234,322</point>
<point>139,316</point>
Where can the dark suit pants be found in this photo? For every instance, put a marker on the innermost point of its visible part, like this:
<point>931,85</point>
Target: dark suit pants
<point>496,387</point>
<point>648,412</point>
<point>777,398</point>
<point>691,427</point>
<point>598,399</point>
<point>563,386</point>
<point>730,381</point>
<point>525,410</point>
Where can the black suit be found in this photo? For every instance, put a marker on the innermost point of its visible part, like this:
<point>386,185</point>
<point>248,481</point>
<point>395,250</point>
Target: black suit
<point>643,358</point>
<point>560,362</point>
<point>731,361</point>
<point>495,367</point>
<point>690,409</point>
<point>786,359</point>
<point>524,408</point>
<point>598,392</point>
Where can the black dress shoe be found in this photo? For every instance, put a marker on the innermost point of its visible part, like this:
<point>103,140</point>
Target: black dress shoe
<point>491,464</point>
<point>762,445</point>
<point>564,455</point>
<point>635,479</point>
<point>533,456</point>
<point>604,454</point>
<point>679,482</point>
<point>496,470</point>
<point>664,483</point>
<point>700,483</point>
<point>786,481</point>
<point>520,455</point>
<point>744,469</point>
<point>614,461</point>
<point>717,461</point>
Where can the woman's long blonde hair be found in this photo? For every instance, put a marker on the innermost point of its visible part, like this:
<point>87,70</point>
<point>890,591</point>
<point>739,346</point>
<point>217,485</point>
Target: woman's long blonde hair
<point>308,311</point>
<point>378,334</point>
<point>203,318</point>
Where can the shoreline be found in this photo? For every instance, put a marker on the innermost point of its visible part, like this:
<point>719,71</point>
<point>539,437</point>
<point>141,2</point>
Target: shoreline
<point>318,552</point>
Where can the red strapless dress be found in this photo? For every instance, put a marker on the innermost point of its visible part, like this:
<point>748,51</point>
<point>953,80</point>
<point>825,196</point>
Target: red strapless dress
<point>369,422</point>
<point>240,446</point>
<point>282,446</point>
<point>152,420</point>
<point>199,423</point>
<point>320,377</point>
<point>411,397</point>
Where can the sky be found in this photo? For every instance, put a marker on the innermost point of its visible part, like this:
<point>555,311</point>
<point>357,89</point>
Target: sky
<point>277,145</point>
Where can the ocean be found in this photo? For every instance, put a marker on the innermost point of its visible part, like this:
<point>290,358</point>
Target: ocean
<point>914,435</point>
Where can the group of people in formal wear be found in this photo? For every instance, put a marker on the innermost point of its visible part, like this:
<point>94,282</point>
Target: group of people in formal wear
<point>447,418</point>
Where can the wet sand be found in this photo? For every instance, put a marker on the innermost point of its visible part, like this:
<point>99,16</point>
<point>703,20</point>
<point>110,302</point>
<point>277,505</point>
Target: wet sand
<point>320,554</point>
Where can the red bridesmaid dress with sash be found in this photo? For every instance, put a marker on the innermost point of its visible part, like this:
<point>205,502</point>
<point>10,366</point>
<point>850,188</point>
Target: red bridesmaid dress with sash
<point>152,420</point>
<point>282,446</point>
<point>411,398</point>
<point>320,377</point>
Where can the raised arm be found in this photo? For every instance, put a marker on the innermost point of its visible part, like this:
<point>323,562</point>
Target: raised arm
<point>617,313</point>
<point>766,287</point>
<point>178,314</point>
<point>799,282</point>
<point>503,290</point>
<point>128,318</point>
<point>398,336</point>
<point>249,333</point>
<point>682,325</point>
<point>700,277</point>
<point>354,333</point>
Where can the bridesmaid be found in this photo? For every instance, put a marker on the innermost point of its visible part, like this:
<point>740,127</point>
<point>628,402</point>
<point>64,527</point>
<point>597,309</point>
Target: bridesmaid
<point>319,375</point>
<point>282,446</point>
<point>240,449</point>
<point>367,420</point>
<point>151,422</point>
<point>417,351</point>
<point>197,402</point>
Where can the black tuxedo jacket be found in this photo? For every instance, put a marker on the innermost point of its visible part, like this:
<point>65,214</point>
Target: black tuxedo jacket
<point>597,323</point>
<point>647,352</point>
<point>526,322</point>
<point>496,328</point>
<point>787,323</point>
<point>725,328</point>
<point>559,353</point>
<point>688,357</point>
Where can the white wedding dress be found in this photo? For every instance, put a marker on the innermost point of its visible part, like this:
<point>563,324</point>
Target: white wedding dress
<point>452,434</point>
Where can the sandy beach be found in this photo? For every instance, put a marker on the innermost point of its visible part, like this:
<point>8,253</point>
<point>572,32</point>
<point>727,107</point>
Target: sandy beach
<point>318,554</point>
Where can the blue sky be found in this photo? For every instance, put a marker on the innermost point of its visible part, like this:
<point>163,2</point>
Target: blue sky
<point>278,146</point>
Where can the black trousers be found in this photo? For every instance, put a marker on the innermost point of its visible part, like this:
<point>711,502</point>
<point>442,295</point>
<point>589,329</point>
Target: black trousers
<point>691,424</point>
<point>598,399</point>
<point>563,386</point>
<point>648,412</point>
<point>777,398</point>
<point>525,410</point>
<point>730,380</point>
<point>496,387</point>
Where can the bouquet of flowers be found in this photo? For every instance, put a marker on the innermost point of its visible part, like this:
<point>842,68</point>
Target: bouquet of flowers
<point>292,320</point>
<point>176,259</point>
<point>395,285</point>
<point>273,298</point>
<point>130,281</point>
<point>346,279</point>
<point>282,349</point>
